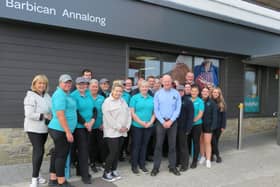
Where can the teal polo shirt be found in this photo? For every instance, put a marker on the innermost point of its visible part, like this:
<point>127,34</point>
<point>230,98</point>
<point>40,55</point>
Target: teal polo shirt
<point>126,96</point>
<point>84,106</point>
<point>63,101</point>
<point>97,103</point>
<point>198,105</point>
<point>143,108</point>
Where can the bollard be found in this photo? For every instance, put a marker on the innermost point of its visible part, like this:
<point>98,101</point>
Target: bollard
<point>240,126</point>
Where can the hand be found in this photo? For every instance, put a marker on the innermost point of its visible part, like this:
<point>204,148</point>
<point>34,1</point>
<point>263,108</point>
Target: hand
<point>168,124</point>
<point>148,124</point>
<point>123,130</point>
<point>222,129</point>
<point>69,137</point>
<point>101,127</point>
<point>88,126</point>
<point>48,116</point>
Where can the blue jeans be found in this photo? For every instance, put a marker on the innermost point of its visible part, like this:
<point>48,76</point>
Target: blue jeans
<point>160,134</point>
<point>140,140</point>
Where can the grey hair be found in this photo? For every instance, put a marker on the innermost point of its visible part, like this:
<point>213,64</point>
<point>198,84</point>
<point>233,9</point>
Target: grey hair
<point>93,81</point>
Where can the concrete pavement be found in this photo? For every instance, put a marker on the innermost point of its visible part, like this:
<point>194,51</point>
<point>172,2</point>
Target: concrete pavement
<point>256,165</point>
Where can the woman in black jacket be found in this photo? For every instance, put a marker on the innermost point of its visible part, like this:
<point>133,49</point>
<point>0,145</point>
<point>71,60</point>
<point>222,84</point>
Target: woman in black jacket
<point>217,96</point>
<point>209,123</point>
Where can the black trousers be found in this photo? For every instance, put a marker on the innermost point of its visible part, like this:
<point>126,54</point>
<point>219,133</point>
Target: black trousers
<point>195,135</point>
<point>114,147</point>
<point>38,142</point>
<point>59,155</point>
<point>98,149</point>
<point>182,149</point>
<point>140,140</point>
<point>215,141</point>
<point>160,136</point>
<point>81,139</point>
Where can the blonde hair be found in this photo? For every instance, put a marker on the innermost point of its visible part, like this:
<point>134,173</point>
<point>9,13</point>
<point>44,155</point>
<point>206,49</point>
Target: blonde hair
<point>220,100</point>
<point>144,83</point>
<point>117,83</point>
<point>40,77</point>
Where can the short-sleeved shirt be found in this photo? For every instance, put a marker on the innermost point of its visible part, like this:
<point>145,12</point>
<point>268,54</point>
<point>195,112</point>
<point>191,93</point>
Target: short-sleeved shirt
<point>97,103</point>
<point>198,105</point>
<point>62,101</point>
<point>84,106</point>
<point>126,96</point>
<point>143,108</point>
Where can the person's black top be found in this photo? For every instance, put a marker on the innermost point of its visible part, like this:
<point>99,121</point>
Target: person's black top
<point>136,91</point>
<point>221,119</point>
<point>210,114</point>
<point>104,94</point>
<point>185,119</point>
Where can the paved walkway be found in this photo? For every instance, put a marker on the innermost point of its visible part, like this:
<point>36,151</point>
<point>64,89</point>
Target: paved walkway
<point>256,165</point>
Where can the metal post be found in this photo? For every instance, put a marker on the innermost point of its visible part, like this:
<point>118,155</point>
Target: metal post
<point>278,114</point>
<point>240,126</point>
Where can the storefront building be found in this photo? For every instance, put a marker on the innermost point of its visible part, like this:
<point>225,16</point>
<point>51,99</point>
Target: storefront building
<point>118,39</point>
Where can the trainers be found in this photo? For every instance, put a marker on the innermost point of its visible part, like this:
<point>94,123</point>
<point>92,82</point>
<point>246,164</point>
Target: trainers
<point>116,175</point>
<point>42,180</point>
<point>108,177</point>
<point>144,169</point>
<point>52,183</point>
<point>202,160</point>
<point>219,159</point>
<point>208,163</point>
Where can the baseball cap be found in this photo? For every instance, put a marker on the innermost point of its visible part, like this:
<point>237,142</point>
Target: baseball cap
<point>81,80</point>
<point>65,78</point>
<point>104,80</point>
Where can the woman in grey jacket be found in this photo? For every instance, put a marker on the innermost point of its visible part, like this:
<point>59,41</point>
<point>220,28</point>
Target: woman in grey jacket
<point>116,123</point>
<point>37,109</point>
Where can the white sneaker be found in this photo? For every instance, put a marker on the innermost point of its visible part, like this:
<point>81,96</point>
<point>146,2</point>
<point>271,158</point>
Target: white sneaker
<point>41,180</point>
<point>208,164</point>
<point>34,182</point>
<point>116,175</point>
<point>202,160</point>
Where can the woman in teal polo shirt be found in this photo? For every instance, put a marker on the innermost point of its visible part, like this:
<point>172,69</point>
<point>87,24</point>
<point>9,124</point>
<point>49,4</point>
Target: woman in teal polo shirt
<point>61,127</point>
<point>97,145</point>
<point>198,105</point>
<point>142,111</point>
<point>85,123</point>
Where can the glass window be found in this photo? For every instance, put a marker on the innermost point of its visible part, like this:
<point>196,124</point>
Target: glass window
<point>252,100</point>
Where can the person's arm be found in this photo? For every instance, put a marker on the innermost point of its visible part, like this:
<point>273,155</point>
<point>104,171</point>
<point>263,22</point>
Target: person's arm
<point>200,113</point>
<point>224,120</point>
<point>136,118</point>
<point>152,120</point>
<point>214,115</point>
<point>178,108</point>
<point>108,119</point>
<point>30,109</point>
<point>63,122</point>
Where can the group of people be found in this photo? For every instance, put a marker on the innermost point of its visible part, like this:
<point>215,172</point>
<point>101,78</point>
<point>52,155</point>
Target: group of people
<point>99,124</point>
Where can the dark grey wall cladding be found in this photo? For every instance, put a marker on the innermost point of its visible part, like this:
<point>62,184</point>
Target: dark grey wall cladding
<point>234,85</point>
<point>26,51</point>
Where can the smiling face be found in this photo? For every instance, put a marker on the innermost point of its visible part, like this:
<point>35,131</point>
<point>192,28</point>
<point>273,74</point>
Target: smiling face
<point>40,86</point>
<point>93,88</point>
<point>81,87</point>
<point>167,82</point>
<point>194,92</point>
<point>117,92</point>
<point>215,94</point>
<point>66,86</point>
<point>205,93</point>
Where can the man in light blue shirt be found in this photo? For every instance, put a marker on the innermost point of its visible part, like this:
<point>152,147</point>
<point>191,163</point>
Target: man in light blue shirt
<point>167,106</point>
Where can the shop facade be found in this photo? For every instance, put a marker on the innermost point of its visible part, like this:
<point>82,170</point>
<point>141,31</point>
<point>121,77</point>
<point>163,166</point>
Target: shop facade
<point>127,39</point>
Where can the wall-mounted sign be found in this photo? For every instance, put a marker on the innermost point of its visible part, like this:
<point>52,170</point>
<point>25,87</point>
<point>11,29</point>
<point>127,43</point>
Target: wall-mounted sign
<point>252,104</point>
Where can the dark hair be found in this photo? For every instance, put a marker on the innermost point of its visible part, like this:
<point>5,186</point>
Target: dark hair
<point>195,86</point>
<point>150,77</point>
<point>86,70</point>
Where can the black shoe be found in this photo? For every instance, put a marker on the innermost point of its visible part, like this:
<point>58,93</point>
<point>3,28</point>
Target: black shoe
<point>144,169</point>
<point>135,170</point>
<point>86,180</point>
<point>174,171</point>
<point>194,165</point>
<point>93,168</point>
<point>184,168</point>
<point>66,184</point>
<point>52,183</point>
<point>219,159</point>
<point>154,172</point>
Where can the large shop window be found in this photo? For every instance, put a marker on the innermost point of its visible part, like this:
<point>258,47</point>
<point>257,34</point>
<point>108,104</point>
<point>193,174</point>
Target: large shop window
<point>143,63</point>
<point>251,91</point>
